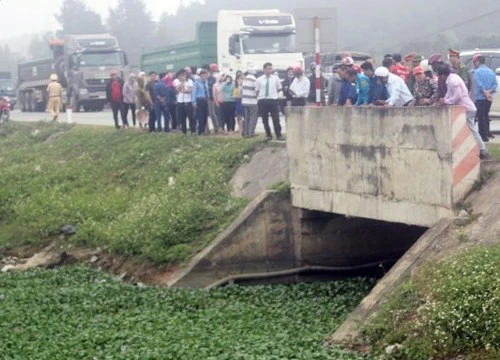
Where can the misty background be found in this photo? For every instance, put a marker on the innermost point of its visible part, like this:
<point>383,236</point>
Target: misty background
<point>426,26</point>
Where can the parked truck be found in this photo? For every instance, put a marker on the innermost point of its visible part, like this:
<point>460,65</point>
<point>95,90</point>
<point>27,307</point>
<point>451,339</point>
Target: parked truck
<point>240,39</point>
<point>201,51</point>
<point>83,64</point>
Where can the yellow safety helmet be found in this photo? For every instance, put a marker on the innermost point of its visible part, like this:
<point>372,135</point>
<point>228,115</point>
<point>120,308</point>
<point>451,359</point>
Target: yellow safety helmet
<point>53,77</point>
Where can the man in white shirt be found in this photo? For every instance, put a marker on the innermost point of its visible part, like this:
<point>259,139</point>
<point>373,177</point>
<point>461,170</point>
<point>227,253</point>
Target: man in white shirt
<point>300,88</point>
<point>399,94</point>
<point>268,87</point>
<point>249,102</point>
<point>184,88</point>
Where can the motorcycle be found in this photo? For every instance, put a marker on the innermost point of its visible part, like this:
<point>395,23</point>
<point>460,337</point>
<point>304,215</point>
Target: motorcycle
<point>4,109</point>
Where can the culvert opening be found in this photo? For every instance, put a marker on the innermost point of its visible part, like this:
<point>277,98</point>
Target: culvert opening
<point>334,247</point>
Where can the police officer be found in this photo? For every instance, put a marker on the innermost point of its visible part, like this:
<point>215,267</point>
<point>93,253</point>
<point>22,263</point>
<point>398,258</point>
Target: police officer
<point>459,67</point>
<point>54,91</point>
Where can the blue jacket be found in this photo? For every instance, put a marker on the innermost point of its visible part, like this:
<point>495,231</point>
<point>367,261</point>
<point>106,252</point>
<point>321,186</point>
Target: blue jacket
<point>363,90</point>
<point>165,92</point>
<point>348,91</point>
<point>373,84</point>
<point>485,79</point>
<point>200,90</point>
<point>379,92</point>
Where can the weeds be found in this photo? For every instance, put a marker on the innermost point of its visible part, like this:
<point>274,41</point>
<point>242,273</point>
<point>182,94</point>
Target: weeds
<point>153,196</point>
<point>452,308</point>
<point>77,313</point>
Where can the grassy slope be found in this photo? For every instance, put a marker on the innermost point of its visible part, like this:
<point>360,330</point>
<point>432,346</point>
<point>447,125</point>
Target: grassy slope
<point>114,187</point>
<point>77,313</point>
<point>452,308</point>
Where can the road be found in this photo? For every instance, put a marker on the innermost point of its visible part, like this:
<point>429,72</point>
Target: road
<point>104,118</point>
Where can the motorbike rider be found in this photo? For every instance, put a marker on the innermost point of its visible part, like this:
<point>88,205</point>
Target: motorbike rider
<point>54,90</point>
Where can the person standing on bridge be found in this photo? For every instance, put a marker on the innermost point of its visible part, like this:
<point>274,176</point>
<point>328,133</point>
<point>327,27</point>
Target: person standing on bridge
<point>457,94</point>
<point>399,94</point>
<point>399,69</point>
<point>486,86</point>
<point>268,87</point>
<point>425,90</point>
<point>334,85</point>
<point>459,67</point>
<point>114,95</point>
<point>299,89</point>
<point>54,91</point>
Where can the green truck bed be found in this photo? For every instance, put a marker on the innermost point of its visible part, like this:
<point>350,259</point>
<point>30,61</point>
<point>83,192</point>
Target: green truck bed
<point>196,53</point>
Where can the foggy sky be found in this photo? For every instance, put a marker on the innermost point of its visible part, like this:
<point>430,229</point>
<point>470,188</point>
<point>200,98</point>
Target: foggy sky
<point>35,16</point>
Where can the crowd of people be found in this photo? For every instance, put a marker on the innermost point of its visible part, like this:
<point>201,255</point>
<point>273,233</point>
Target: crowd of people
<point>415,81</point>
<point>185,101</point>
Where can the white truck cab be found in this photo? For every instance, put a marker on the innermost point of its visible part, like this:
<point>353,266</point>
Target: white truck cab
<point>251,38</point>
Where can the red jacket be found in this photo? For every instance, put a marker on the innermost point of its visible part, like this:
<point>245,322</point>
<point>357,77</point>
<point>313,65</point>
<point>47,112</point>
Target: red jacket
<point>402,71</point>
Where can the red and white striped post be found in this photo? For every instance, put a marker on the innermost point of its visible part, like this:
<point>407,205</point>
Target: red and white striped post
<point>318,60</point>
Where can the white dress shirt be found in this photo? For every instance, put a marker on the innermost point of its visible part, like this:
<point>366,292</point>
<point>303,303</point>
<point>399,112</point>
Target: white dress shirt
<point>274,87</point>
<point>184,96</point>
<point>399,94</point>
<point>300,87</point>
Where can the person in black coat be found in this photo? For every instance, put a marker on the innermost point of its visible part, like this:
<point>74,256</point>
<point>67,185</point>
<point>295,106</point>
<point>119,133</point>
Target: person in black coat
<point>114,96</point>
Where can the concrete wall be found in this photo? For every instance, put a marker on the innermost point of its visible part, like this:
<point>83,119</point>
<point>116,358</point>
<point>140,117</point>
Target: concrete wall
<point>271,236</point>
<point>396,165</point>
<point>259,241</point>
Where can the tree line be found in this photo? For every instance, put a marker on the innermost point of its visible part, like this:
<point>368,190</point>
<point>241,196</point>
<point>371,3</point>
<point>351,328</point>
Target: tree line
<point>135,27</point>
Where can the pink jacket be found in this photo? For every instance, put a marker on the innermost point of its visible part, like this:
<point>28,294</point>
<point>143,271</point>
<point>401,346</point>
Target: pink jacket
<point>218,94</point>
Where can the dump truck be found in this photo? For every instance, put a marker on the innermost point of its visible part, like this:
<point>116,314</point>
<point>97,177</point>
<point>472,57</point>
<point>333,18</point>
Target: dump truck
<point>83,64</point>
<point>239,40</point>
<point>201,51</point>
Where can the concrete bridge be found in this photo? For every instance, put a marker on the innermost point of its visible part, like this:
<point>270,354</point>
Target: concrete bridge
<point>365,186</point>
<point>404,165</point>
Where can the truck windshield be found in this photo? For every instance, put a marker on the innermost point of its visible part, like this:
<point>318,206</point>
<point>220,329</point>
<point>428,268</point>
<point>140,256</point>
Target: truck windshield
<point>268,43</point>
<point>101,59</point>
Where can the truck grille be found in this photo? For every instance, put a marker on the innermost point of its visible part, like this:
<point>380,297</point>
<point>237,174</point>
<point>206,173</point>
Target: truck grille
<point>97,82</point>
<point>94,89</point>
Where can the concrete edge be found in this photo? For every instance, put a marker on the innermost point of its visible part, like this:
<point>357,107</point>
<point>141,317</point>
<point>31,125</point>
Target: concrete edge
<point>401,271</point>
<point>230,230</point>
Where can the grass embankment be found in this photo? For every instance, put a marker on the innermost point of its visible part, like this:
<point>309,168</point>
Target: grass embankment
<point>494,150</point>
<point>156,197</point>
<point>77,313</point>
<point>452,308</point>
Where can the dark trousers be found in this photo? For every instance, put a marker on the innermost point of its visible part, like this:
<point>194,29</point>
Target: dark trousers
<point>298,102</point>
<point>117,108</point>
<point>159,111</point>
<point>228,110</point>
<point>152,120</point>
<point>202,114</point>
<point>126,108</point>
<point>185,111</point>
<point>483,117</point>
<point>172,109</point>
<point>266,107</point>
